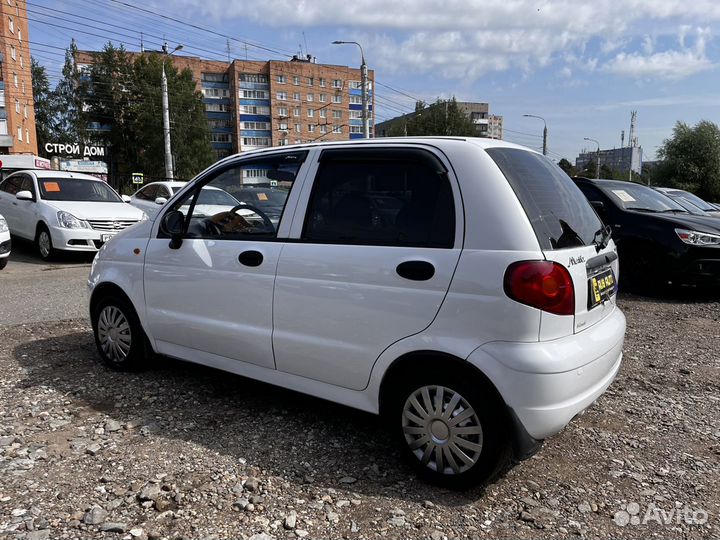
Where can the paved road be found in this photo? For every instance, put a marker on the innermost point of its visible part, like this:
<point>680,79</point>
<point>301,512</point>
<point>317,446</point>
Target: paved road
<point>32,290</point>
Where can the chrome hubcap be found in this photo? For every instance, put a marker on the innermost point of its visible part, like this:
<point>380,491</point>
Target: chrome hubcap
<point>114,333</point>
<point>442,429</point>
<point>44,243</point>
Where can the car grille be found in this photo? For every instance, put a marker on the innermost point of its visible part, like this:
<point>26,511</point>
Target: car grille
<point>111,225</point>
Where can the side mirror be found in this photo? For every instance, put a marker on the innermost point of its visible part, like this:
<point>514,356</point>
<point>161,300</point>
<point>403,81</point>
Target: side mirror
<point>280,176</point>
<point>125,198</point>
<point>598,205</point>
<point>24,196</point>
<point>160,201</point>
<point>173,224</point>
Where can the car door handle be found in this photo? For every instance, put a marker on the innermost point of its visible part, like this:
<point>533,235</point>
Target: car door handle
<point>416,270</point>
<point>250,258</point>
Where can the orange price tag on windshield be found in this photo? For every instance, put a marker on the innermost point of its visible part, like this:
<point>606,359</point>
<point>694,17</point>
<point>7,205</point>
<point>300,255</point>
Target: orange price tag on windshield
<point>262,196</point>
<point>51,187</point>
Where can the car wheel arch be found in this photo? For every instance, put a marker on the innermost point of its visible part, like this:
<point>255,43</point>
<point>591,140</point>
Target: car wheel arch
<point>105,289</point>
<point>429,360</point>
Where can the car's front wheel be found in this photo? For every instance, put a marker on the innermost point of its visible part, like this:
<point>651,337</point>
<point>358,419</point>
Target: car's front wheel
<point>3,262</point>
<point>43,241</point>
<point>119,337</point>
<point>452,430</point>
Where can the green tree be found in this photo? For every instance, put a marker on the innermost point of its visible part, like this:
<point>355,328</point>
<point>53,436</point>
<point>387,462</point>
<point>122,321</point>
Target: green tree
<point>44,104</point>
<point>568,167</point>
<point>443,117</point>
<point>70,121</point>
<point>691,159</point>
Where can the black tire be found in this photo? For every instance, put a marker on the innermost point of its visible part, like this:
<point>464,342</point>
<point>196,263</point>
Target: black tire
<point>127,349</point>
<point>490,415</point>
<point>3,262</point>
<point>46,251</point>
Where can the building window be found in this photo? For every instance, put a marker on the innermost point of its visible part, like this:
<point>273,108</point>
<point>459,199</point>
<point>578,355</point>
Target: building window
<point>254,109</point>
<point>256,125</point>
<point>3,126</point>
<point>281,79</point>
<point>256,141</point>
<point>337,129</point>
<point>213,93</point>
<point>20,134</point>
<point>296,96</point>
<point>337,114</point>
<point>19,35</point>
<point>253,78</point>
<point>21,62</point>
<point>311,113</point>
<point>337,99</point>
<point>281,95</point>
<point>217,107</point>
<point>323,113</point>
<point>311,128</point>
<point>283,126</point>
<point>323,98</point>
<point>251,94</point>
<point>25,113</point>
<point>27,136</point>
<point>296,111</point>
<point>282,112</point>
<point>356,129</point>
<point>311,81</point>
<point>337,83</point>
<point>323,128</point>
<point>356,85</point>
<point>214,77</point>
<point>296,80</point>
<point>221,137</point>
<point>297,128</point>
<point>355,100</point>
<point>13,53</point>
<point>17,106</point>
<point>283,142</point>
<point>11,24</point>
<point>310,97</point>
<point>355,115</point>
<point>322,82</point>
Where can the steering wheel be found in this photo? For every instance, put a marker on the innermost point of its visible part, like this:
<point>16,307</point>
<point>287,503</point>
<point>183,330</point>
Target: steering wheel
<point>218,222</point>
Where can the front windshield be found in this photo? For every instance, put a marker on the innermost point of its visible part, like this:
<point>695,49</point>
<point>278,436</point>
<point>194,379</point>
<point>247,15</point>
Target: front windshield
<point>271,200</point>
<point>639,197</point>
<point>76,189</point>
<point>694,199</point>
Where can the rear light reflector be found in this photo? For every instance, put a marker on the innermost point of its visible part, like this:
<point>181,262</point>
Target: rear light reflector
<point>544,285</point>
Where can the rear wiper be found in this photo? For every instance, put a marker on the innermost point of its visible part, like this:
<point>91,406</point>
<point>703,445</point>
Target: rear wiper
<point>604,233</point>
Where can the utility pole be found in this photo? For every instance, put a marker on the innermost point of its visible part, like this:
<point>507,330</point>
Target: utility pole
<point>597,158</point>
<point>364,84</point>
<point>545,131</point>
<point>169,175</point>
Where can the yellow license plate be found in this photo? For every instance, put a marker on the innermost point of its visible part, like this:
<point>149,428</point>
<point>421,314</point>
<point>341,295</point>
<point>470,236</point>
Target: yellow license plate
<point>601,287</point>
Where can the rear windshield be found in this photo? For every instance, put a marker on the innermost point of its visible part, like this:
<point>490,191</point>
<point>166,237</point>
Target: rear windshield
<point>558,211</point>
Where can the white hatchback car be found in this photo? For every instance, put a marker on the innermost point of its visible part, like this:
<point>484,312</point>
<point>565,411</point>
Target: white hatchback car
<point>5,243</point>
<point>464,288</point>
<point>63,211</point>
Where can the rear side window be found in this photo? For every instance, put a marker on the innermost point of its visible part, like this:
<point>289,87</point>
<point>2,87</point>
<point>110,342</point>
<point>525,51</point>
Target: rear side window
<point>381,197</point>
<point>558,211</point>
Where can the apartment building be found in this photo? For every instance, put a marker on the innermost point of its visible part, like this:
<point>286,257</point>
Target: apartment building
<point>621,159</point>
<point>17,112</point>
<point>258,104</point>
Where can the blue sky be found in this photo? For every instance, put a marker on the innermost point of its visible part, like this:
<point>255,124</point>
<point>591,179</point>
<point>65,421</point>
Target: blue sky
<point>581,65</point>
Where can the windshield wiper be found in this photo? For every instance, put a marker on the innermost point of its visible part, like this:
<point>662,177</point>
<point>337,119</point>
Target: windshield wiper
<point>604,233</point>
<point>640,209</point>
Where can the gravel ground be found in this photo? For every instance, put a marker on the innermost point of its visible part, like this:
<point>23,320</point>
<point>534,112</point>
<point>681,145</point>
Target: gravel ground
<point>187,452</point>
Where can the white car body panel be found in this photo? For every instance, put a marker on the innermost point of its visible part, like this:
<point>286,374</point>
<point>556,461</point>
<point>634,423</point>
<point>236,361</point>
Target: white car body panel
<point>4,237</point>
<point>340,318</point>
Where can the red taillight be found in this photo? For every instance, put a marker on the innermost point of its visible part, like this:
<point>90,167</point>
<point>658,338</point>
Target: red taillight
<point>545,285</point>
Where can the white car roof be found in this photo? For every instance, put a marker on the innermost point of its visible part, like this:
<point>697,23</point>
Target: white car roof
<point>168,183</point>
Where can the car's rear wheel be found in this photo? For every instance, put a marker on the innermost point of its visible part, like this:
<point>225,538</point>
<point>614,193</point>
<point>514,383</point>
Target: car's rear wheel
<point>43,241</point>
<point>119,337</point>
<point>451,430</point>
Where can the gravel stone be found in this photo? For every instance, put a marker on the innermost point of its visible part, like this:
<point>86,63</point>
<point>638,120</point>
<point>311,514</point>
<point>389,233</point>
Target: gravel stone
<point>95,515</point>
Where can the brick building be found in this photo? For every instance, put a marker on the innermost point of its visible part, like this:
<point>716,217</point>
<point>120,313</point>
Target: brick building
<point>17,111</point>
<point>256,104</point>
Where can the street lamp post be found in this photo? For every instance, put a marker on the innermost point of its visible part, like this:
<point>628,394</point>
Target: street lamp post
<point>364,84</point>
<point>169,175</point>
<point>597,159</point>
<point>545,133</point>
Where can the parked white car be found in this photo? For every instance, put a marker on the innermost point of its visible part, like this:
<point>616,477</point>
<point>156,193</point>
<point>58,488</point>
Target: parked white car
<point>152,197</point>
<point>5,243</point>
<point>63,211</point>
<point>463,288</point>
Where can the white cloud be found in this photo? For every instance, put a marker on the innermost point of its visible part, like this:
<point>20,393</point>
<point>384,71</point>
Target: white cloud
<point>469,38</point>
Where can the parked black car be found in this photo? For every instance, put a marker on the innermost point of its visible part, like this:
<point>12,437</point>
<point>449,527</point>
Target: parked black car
<point>658,241</point>
<point>689,201</point>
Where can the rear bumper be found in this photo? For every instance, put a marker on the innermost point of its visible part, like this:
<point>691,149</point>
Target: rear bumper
<point>546,384</point>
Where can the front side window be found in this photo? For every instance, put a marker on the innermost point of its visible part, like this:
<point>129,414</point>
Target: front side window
<point>239,203</point>
<point>12,185</point>
<point>147,193</point>
<point>381,197</point>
